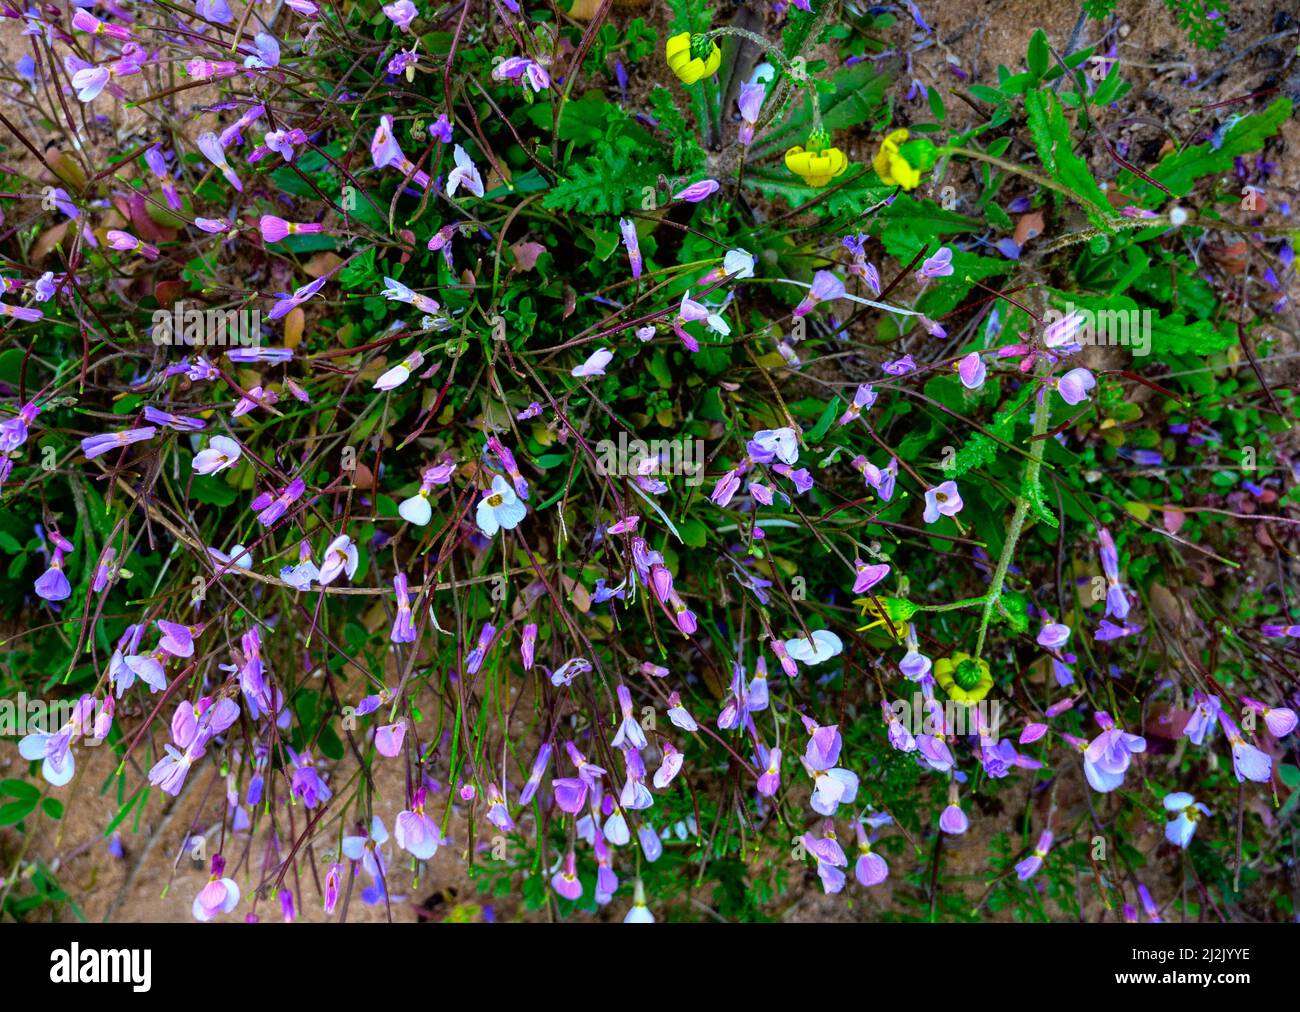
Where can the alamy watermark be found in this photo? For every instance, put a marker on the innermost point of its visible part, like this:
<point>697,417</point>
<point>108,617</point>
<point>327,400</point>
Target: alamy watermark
<point>203,327</point>
<point>643,458</point>
<point>1129,328</point>
<point>983,718</point>
<point>24,715</point>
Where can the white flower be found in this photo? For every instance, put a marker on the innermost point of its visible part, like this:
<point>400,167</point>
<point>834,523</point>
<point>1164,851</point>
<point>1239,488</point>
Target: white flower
<point>416,510</point>
<point>782,442</point>
<point>1179,830</point>
<point>823,646</point>
<point>341,555</point>
<point>465,172</point>
<point>738,262</point>
<point>300,577</point>
<point>222,452</point>
<point>400,373</point>
<point>595,365</point>
<point>243,559</point>
<point>500,508</point>
<point>57,766</point>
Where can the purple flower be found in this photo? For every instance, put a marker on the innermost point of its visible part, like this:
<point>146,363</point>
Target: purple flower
<point>697,192</point>
<point>1075,385</point>
<point>954,820</point>
<point>628,230</point>
<point>937,266</point>
<point>565,881</point>
<point>93,446</point>
<point>943,500</point>
<point>1027,868</point>
<point>972,371</point>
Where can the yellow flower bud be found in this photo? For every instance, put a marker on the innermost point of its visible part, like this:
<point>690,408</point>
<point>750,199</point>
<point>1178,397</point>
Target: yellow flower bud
<point>816,167</point>
<point>892,168</point>
<point>692,58</point>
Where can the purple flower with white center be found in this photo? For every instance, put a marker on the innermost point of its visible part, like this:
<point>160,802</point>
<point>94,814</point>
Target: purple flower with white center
<point>825,287</point>
<point>1075,385</point>
<point>1027,868</point>
<point>267,54</point>
<point>942,500</point>
<point>93,446</point>
<point>699,191</point>
<point>972,371</point>
<point>899,367</point>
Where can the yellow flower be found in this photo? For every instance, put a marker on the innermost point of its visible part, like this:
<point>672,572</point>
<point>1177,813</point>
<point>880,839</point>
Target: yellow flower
<point>965,679</point>
<point>890,165</point>
<point>816,167</point>
<point>692,58</point>
<point>897,610</point>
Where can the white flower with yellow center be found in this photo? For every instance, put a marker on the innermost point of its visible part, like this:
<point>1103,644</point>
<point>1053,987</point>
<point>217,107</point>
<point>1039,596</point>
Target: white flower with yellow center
<point>500,508</point>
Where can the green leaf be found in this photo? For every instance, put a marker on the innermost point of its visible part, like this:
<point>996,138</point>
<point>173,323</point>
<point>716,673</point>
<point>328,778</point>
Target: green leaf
<point>1038,57</point>
<point>1051,135</point>
<point>53,807</point>
<point>1180,171</point>
<point>16,811</point>
<point>19,789</point>
<point>818,431</point>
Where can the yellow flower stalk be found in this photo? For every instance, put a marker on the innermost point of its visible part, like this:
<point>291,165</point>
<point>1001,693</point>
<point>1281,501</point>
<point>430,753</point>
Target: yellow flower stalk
<point>890,165</point>
<point>692,57</point>
<point>965,679</point>
<point>818,163</point>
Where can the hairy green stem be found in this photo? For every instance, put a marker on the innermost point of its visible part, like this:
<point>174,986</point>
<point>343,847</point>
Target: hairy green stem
<point>1017,525</point>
